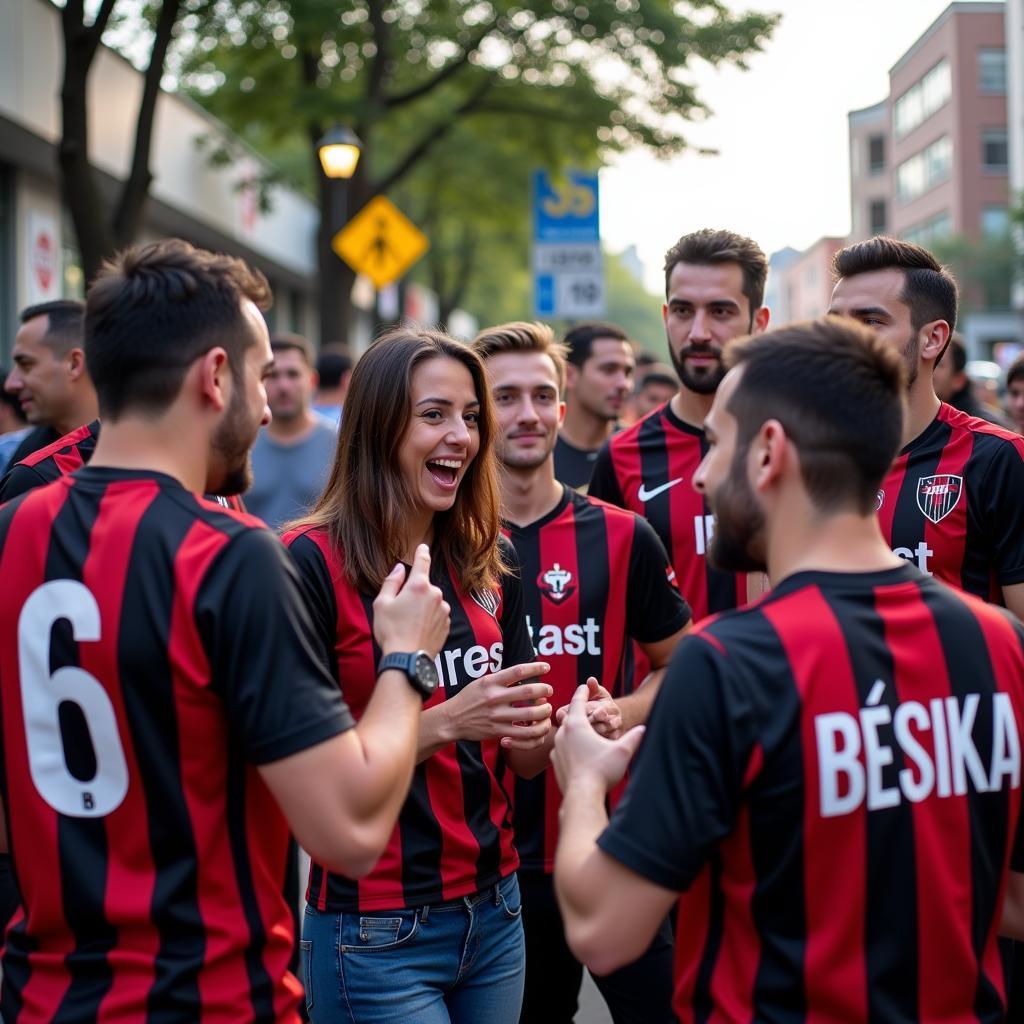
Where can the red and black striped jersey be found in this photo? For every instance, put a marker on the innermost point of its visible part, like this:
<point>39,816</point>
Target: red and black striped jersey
<point>648,468</point>
<point>594,577</point>
<point>832,778</point>
<point>65,455</point>
<point>154,648</point>
<point>952,503</point>
<point>454,833</point>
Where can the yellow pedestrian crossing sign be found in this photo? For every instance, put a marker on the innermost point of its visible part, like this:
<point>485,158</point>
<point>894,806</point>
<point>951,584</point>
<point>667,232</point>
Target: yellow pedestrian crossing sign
<point>380,242</point>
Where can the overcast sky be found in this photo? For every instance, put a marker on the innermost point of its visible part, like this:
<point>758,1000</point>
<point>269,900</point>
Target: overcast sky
<point>781,175</point>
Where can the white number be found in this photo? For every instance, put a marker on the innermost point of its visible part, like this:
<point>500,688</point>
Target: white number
<point>41,697</point>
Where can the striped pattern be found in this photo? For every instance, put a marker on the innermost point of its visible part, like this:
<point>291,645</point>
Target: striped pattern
<point>796,909</point>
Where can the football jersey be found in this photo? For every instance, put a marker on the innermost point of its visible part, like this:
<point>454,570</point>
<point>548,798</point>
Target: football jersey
<point>65,455</point>
<point>648,468</point>
<point>952,504</point>
<point>454,833</point>
<point>154,648</point>
<point>832,779</point>
<point>594,577</point>
<point>573,466</point>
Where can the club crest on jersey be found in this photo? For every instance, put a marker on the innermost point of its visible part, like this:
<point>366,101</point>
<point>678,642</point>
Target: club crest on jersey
<point>937,495</point>
<point>488,600</point>
<point>556,584</point>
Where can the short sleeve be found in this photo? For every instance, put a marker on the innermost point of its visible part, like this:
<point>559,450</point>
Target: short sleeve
<point>654,607</point>
<point>685,787</point>
<point>603,483</point>
<point>317,589</point>
<point>19,480</point>
<point>517,647</point>
<point>1003,501</point>
<point>279,696</point>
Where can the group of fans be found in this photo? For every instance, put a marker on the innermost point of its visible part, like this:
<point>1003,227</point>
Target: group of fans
<point>802,575</point>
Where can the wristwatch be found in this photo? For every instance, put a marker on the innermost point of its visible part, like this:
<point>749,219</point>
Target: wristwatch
<point>418,667</point>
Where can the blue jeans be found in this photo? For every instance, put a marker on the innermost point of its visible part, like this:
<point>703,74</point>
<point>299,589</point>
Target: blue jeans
<point>460,962</point>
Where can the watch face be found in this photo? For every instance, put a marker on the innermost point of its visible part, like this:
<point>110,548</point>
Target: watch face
<point>426,671</point>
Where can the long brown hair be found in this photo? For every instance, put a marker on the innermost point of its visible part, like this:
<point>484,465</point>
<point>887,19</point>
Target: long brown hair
<point>366,498</point>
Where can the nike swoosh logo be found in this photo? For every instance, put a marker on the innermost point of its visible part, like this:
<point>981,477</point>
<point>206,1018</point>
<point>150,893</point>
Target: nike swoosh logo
<point>645,495</point>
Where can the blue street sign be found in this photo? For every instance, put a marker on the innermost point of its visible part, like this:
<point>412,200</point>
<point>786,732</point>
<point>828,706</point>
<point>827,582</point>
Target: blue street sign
<point>544,295</point>
<point>565,210</point>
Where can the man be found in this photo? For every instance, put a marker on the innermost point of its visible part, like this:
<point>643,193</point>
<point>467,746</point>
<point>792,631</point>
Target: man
<point>952,384</point>
<point>159,693</point>
<point>831,777</point>
<point>49,377</point>
<point>293,453</point>
<point>951,501</point>
<point>599,380</point>
<point>714,290</point>
<point>595,577</point>
<point>333,372</point>
<point>1015,393</point>
<point>14,427</point>
<point>656,387</point>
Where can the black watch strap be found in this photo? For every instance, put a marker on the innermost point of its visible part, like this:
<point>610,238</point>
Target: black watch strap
<point>418,669</point>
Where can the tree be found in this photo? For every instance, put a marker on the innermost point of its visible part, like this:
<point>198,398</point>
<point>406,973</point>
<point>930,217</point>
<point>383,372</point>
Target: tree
<point>407,74</point>
<point>984,266</point>
<point>103,225</point>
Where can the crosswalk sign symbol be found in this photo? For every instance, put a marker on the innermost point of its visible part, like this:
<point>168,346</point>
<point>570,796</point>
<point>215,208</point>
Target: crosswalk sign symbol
<point>380,242</point>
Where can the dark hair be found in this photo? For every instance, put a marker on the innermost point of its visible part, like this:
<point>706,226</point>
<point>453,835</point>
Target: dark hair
<point>64,323</point>
<point>710,246</point>
<point>520,336</point>
<point>957,351</point>
<point>1016,370</point>
<point>332,365</point>
<point>929,289</point>
<point>579,340</point>
<point>153,310</point>
<point>287,342</point>
<point>837,389</point>
<point>366,501</point>
<point>657,377</point>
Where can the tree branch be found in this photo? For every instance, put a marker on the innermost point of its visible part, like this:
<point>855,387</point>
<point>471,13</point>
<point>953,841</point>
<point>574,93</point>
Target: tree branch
<point>98,26</point>
<point>379,66</point>
<point>136,188</point>
<point>450,69</point>
<point>432,138</point>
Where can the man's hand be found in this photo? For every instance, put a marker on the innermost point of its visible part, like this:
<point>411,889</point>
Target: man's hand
<point>410,613</point>
<point>582,755</point>
<point>602,711</point>
<point>496,707</point>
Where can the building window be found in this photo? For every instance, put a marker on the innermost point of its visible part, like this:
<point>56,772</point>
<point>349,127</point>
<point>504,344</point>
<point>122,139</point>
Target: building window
<point>877,217</point>
<point>995,221</point>
<point>924,170</point>
<point>929,231</point>
<point>876,154</point>
<point>995,150</point>
<point>922,99</point>
<point>992,71</point>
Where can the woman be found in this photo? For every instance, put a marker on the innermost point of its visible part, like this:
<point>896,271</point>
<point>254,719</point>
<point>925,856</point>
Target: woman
<point>433,932</point>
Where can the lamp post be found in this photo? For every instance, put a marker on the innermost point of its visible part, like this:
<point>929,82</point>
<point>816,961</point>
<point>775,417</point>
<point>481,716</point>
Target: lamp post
<point>339,152</point>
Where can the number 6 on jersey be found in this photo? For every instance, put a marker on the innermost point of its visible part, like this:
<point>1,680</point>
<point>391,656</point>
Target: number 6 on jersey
<point>42,695</point>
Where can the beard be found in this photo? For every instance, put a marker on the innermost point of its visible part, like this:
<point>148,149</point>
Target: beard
<point>910,355</point>
<point>738,543</point>
<point>232,446</point>
<point>706,380</point>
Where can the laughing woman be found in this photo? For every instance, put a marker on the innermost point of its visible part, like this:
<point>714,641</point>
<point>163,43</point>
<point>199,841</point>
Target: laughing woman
<point>433,933</point>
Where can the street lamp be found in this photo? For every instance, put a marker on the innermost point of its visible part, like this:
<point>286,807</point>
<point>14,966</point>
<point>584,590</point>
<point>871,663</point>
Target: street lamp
<point>339,151</point>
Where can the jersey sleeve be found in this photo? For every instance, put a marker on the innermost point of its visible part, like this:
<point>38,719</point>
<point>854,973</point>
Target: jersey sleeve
<point>279,696</point>
<point>654,607</point>
<point>604,484</point>
<point>517,647</point>
<point>1003,501</point>
<point>19,479</point>
<point>686,785</point>
<point>317,589</point>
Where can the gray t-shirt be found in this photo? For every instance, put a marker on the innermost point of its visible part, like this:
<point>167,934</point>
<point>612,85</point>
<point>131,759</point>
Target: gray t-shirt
<point>288,478</point>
